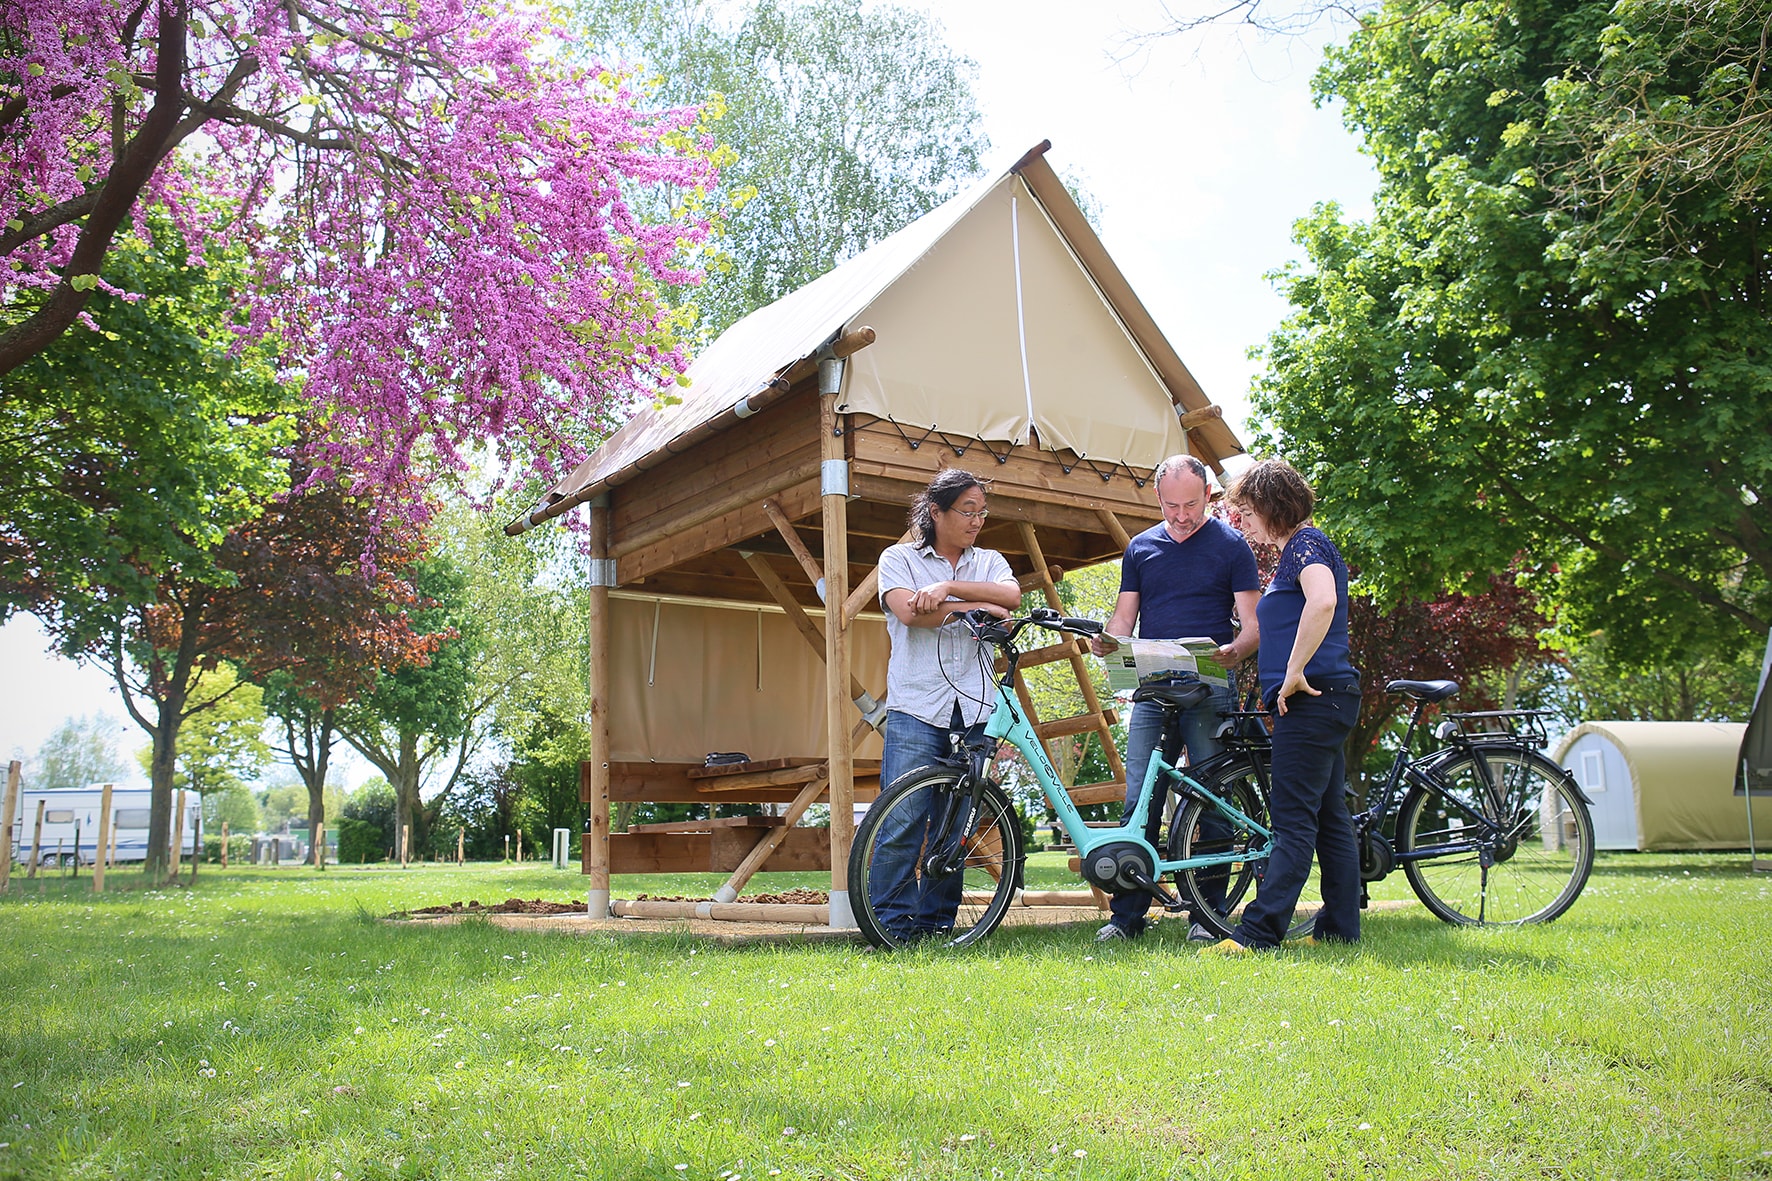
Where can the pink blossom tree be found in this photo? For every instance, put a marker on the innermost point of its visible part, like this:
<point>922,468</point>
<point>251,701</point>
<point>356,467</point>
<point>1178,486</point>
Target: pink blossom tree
<point>457,240</point>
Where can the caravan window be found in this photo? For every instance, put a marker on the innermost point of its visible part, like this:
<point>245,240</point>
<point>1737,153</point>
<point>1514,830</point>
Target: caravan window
<point>132,818</point>
<point>59,816</point>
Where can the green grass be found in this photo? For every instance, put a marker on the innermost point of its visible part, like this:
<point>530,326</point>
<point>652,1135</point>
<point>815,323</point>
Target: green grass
<point>263,1025</point>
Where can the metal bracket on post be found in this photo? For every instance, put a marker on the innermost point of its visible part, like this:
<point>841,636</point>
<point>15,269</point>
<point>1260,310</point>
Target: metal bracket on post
<point>830,375</point>
<point>603,572</point>
<point>833,477</point>
<point>872,712</point>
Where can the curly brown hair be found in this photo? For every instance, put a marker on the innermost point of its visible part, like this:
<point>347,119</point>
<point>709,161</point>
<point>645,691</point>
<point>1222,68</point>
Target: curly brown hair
<point>1274,489</point>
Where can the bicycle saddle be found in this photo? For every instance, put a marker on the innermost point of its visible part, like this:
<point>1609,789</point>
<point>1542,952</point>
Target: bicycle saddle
<point>1424,690</point>
<point>1175,696</point>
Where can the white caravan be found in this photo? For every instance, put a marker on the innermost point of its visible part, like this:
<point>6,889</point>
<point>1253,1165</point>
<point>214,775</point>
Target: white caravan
<point>72,813</point>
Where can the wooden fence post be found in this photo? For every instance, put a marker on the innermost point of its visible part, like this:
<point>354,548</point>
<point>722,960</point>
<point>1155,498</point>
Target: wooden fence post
<point>37,839</point>
<point>9,807</point>
<point>320,848</point>
<point>405,844</point>
<point>224,844</point>
<point>178,832</point>
<point>519,846</point>
<point>104,839</point>
<point>461,844</point>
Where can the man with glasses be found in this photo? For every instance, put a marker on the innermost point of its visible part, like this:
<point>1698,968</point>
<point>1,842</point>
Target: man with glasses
<point>1183,577</point>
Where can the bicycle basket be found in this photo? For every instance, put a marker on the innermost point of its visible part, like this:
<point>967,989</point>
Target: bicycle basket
<point>1511,727</point>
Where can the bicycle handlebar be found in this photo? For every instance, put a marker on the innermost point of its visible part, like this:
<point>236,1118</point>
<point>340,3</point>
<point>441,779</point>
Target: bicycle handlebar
<point>988,629</point>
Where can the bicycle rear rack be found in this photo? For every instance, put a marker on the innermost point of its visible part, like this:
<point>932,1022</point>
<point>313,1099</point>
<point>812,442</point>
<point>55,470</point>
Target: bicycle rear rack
<point>1508,727</point>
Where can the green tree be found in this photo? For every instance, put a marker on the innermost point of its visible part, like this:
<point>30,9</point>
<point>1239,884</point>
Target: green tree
<point>849,121</point>
<point>1520,360</point>
<point>83,751</point>
<point>421,722</point>
<point>221,747</point>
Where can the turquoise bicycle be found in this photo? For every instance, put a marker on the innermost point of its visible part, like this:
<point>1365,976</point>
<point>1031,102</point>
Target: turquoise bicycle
<point>939,857</point>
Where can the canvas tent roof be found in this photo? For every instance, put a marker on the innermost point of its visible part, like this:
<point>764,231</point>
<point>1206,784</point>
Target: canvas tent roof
<point>989,319</point>
<point>1682,774</point>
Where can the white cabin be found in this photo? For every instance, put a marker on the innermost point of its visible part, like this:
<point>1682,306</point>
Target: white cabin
<point>70,820</point>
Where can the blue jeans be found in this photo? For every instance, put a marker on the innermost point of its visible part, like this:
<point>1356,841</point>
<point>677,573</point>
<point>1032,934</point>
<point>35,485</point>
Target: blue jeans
<point>1309,813</point>
<point>1193,730</point>
<point>902,899</point>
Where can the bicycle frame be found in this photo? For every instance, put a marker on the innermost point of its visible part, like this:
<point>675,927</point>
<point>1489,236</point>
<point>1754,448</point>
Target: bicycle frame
<point>1008,724</point>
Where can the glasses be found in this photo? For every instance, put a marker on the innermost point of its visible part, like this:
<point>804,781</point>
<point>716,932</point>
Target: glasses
<point>979,515</point>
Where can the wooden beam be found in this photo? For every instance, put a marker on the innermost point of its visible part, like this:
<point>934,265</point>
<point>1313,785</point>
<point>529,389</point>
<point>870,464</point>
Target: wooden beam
<point>1115,529</point>
<point>1194,419</point>
<point>1091,702</point>
<point>1111,791</point>
<point>797,616</point>
<point>796,546</point>
<point>1039,656</point>
<point>658,852</point>
<point>833,450</point>
<point>1080,724</point>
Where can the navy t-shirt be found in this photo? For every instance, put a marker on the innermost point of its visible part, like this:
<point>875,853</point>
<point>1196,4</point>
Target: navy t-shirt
<point>1283,605</point>
<point>1186,588</point>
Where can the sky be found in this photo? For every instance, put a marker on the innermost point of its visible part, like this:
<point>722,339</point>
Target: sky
<point>1200,153</point>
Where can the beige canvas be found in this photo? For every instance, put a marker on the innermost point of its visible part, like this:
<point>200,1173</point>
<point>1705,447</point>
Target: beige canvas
<point>723,678</point>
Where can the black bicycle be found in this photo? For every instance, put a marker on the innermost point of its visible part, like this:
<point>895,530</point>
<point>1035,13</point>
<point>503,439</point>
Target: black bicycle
<point>1488,830</point>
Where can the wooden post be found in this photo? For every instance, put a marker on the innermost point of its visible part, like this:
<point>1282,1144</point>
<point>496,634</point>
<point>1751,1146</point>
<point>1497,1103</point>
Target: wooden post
<point>224,844</point>
<point>104,839</point>
<point>405,844</point>
<point>76,872</point>
<point>9,808</point>
<point>37,839</point>
<point>461,845</point>
<point>834,486</point>
<point>178,832</point>
<point>58,851</point>
<point>519,846</point>
<point>596,839</point>
<point>320,848</point>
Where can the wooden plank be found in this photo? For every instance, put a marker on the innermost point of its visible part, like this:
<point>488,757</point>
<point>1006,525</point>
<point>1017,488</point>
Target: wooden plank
<point>660,852</point>
<point>778,778</point>
<point>1026,473</point>
<point>1111,791</point>
<point>1072,726</point>
<point>708,824</point>
<point>13,771</point>
<point>1091,703</point>
<point>742,491</point>
<point>1047,655</point>
<point>806,849</point>
<point>744,522</point>
<point>678,485</point>
<point>715,772</point>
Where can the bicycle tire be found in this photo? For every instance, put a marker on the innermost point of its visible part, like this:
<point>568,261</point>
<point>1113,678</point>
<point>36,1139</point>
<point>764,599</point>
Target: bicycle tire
<point>1536,876</point>
<point>894,902</point>
<point>1216,896</point>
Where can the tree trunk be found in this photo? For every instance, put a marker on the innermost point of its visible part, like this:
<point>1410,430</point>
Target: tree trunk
<point>408,808</point>
<point>313,772</point>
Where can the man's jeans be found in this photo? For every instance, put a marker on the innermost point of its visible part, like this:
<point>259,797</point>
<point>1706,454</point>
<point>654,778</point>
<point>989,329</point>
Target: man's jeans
<point>1194,730</point>
<point>903,901</point>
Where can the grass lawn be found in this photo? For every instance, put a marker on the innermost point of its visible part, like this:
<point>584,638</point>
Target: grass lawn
<point>263,1024</point>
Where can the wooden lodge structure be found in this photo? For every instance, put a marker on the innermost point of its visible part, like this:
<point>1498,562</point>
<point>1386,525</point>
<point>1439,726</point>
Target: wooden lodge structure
<point>734,534</point>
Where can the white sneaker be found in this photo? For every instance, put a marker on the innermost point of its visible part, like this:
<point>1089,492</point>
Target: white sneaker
<point>1110,933</point>
<point>1199,934</point>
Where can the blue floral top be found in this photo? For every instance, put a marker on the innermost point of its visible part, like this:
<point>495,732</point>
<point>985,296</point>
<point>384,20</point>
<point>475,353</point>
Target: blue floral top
<point>1282,606</point>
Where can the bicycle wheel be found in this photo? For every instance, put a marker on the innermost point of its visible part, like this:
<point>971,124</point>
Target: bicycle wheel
<point>1216,895</point>
<point>1542,861</point>
<point>897,900</point>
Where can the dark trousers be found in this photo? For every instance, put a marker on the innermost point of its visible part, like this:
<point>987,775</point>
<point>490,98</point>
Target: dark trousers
<point>1309,773</point>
